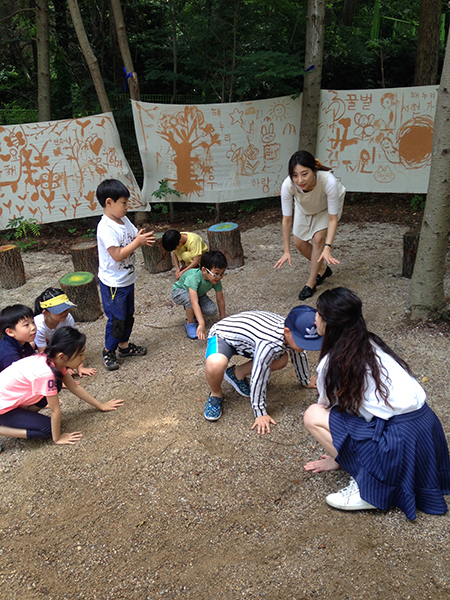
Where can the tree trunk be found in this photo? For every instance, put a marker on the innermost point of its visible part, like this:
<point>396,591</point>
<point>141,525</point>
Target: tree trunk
<point>428,41</point>
<point>348,12</point>
<point>43,60</point>
<point>156,259</point>
<point>174,49</point>
<point>89,55</point>
<point>427,284</point>
<point>226,237</point>
<point>12,272</point>
<point>133,83</point>
<point>81,289</point>
<point>315,34</point>
<point>85,257</point>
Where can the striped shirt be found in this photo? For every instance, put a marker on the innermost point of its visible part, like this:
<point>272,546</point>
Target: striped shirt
<point>260,335</point>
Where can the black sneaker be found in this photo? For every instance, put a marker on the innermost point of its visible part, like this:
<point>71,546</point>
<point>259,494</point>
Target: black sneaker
<point>110,360</point>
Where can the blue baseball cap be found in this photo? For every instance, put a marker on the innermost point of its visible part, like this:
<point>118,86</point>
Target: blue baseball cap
<point>301,323</point>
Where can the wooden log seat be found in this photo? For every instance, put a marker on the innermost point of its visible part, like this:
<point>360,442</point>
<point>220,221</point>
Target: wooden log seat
<point>85,256</point>
<point>12,271</point>
<point>410,245</point>
<point>156,259</point>
<point>226,237</point>
<point>81,289</point>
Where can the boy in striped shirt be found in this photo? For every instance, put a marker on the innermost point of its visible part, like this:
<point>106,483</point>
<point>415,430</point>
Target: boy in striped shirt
<point>268,340</point>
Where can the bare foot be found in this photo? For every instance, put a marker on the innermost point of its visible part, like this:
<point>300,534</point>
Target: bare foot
<point>312,385</point>
<point>325,464</point>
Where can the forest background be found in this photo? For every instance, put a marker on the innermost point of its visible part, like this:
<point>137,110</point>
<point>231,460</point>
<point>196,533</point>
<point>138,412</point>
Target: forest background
<point>206,51</point>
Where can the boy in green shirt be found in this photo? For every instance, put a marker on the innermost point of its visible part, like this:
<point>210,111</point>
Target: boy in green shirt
<point>190,291</point>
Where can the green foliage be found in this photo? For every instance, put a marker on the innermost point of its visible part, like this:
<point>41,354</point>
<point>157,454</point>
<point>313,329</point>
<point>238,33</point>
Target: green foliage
<point>417,203</point>
<point>90,233</point>
<point>162,208</point>
<point>164,190</point>
<point>20,227</point>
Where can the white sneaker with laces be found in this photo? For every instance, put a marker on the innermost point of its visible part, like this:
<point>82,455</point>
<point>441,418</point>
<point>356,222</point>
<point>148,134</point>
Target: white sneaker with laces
<point>348,498</point>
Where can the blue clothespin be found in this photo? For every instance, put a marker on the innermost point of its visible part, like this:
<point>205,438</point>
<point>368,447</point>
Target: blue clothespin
<point>127,76</point>
<point>308,70</point>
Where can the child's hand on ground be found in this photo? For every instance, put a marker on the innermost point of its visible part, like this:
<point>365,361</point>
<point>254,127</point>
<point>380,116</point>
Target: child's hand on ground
<point>312,385</point>
<point>111,405</point>
<point>201,332</point>
<point>69,438</point>
<point>84,371</point>
<point>145,239</point>
<point>263,424</point>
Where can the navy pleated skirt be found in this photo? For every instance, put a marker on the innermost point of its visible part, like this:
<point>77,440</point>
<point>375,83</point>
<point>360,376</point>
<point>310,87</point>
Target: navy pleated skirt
<point>401,462</point>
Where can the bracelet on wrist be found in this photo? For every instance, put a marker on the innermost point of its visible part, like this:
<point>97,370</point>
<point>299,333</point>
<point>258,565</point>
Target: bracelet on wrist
<point>329,245</point>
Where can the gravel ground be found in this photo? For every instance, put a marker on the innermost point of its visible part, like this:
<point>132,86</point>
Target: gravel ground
<point>155,502</point>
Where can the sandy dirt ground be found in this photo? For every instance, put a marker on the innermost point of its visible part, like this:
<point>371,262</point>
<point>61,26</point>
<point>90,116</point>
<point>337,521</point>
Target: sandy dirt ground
<point>156,502</point>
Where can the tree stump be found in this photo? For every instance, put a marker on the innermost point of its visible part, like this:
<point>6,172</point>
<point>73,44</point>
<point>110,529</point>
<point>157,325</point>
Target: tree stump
<point>226,237</point>
<point>85,257</point>
<point>12,271</point>
<point>410,245</point>
<point>156,259</point>
<point>81,289</point>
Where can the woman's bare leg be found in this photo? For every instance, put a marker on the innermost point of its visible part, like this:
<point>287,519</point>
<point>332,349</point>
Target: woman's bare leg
<point>312,251</point>
<point>317,422</point>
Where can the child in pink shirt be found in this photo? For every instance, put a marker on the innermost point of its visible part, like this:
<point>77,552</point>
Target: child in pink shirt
<point>33,383</point>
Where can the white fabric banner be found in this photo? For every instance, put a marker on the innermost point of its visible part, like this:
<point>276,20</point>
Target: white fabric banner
<point>217,152</point>
<point>375,140</point>
<point>50,171</point>
<point>378,140</point>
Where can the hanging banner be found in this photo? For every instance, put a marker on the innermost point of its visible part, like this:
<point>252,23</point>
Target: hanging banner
<point>375,141</point>
<point>217,152</point>
<point>50,171</point>
<point>378,140</point>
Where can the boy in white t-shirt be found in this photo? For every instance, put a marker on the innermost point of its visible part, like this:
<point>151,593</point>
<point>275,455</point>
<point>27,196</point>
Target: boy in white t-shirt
<point>117,241</point>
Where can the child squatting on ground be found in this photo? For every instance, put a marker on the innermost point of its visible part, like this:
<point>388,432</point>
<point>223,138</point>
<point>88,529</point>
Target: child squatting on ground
<point>191,289</point>
<point>268,340</point>
<point>187,249</point>
<point>33,383</point>
<point>117,241</point>
<point>51,312</point>
<point>372,418</point>
<point>18,330</point>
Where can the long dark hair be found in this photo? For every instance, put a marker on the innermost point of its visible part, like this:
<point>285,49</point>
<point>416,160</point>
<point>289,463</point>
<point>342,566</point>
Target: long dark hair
<point>349,348</point>
<point>67,340</point>
<point>305,159</point>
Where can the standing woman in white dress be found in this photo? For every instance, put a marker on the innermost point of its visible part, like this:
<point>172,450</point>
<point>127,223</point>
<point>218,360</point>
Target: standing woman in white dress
<point>319,200</point>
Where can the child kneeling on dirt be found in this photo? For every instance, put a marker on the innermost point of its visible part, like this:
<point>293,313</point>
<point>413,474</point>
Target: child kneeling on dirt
<point>268,340</point>
<point>190,291</point>
<point>187,249</point>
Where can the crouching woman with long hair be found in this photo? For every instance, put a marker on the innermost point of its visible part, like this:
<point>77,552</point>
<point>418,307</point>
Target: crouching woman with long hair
<point>372,418</point>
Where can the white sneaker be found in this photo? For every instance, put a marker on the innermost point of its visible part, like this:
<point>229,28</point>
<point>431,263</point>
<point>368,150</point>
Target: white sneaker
<point>348,498</point>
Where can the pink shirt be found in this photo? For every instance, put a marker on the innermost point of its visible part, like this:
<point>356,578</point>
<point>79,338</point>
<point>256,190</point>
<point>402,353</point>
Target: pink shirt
<point>25,382</point>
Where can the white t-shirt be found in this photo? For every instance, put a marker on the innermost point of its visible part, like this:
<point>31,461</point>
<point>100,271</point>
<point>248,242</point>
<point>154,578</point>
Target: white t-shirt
<point>327,191</point>
<point>25,382</point>
<point>44,333</point>
<point>405,393</point>
<point>111,234</point>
